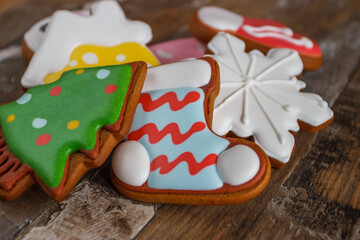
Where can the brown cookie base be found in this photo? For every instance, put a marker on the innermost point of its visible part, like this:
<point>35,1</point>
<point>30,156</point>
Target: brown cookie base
<point>205,33</point>
<point>225,195</point>
<point>79,162</point>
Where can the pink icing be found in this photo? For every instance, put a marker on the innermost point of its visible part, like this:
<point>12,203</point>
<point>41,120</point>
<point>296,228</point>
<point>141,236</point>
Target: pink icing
<point>179,49</point>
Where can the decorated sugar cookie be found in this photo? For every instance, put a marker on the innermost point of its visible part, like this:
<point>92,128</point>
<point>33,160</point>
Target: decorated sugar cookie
<point>43,132</point>
<point>261,34</point>
<point>172,156</point>
<point>103,33</point>
<point>177,50</point>
<point>260,97</point>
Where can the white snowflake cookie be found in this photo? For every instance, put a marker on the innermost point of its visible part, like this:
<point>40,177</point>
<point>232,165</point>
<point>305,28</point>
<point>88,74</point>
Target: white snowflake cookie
<point>260,97</point>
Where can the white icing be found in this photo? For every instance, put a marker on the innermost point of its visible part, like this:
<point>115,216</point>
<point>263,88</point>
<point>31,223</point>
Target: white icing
<point>190,73</point>
<point>161,53</point>
<point>24,98</point>
<point>34,35</point>
<point>220,18</point>
<point>131,163</point>
<point>259,96</point>
<point>90,58</point>
<point>10,52</point>
<point>278,32</point>
<point>39,123</point>
<point>238,165</point>
<point>120,58</point>
<point>102,73</point>
<point>107,26</point>
<point>73,63</point>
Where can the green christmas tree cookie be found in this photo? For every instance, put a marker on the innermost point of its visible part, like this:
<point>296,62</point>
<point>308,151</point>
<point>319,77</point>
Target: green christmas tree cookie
<point>50,122</point>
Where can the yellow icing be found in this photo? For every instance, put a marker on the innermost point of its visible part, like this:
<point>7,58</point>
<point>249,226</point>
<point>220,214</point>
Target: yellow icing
<point>122,53</point>
<point>10,118</point>
<point>73,125</point>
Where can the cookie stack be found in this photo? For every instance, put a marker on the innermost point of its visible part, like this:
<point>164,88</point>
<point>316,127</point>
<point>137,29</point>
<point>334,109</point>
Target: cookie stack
<point>188,122</point>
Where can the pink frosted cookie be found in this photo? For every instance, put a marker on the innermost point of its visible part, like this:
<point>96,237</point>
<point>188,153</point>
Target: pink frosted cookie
<point>179,49</point>
<point>260,34</point>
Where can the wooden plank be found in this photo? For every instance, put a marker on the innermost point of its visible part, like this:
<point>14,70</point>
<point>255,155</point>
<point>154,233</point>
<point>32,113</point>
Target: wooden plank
<point>93,210</point>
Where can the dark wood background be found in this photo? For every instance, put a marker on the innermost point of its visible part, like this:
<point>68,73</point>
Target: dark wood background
<point>315,196</point>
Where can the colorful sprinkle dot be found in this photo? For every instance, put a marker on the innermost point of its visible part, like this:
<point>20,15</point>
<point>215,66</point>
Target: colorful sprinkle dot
<point>39,123</point>
<point>43,139</point>
<point>80,71</point>
<point>110,88</point>
<point>24,99</point>
<point>10,118</point>
<point>55,91</point>
<point>102,74</point>
<point>73,125</point>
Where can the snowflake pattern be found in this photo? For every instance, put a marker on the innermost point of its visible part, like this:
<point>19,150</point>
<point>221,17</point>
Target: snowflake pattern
<point>260,96</point>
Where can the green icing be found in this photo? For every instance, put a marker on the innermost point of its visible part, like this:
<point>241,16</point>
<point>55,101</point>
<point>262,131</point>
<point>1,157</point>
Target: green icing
<point>83,98</point>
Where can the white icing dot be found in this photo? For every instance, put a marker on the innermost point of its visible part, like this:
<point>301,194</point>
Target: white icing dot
<point>238,165</point>
<point>39,123</point>
<point>90,58</point>
<point>131,163</point>
<point>102,74</point>
<point>73,63</point>
<point>120,58</point>
<point>24,99</point>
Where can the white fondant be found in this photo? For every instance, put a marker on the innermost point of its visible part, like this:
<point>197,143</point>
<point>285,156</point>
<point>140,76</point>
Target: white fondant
<point>259,96</point>
<point>39,123</point>
<point>278,32</point>
<point>131,163</point>
<point>161,53</point>
<point>220,18</point>
<point>90,58</point>
<point>107,26</point>
<point>238,165</point>
<point>102,73</point>
<point>120,58</point>
<point>190,73</point>
<point>24,98</point>
<point>73,63</point>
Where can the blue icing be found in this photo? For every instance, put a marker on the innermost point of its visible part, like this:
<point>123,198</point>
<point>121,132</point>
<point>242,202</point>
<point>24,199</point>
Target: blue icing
<point>201,144</point>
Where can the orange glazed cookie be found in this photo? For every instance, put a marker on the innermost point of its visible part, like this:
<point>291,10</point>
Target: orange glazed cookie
<point>172,156</point>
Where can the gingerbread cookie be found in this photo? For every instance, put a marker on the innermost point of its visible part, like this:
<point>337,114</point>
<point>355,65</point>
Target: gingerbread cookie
<point>260,97</point>
<point>260,34</point>
<point>172,156</point>
<point>56,132</point>
<point>74,41</point>
<point>177,50</point>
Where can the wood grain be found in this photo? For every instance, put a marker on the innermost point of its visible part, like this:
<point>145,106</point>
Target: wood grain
<point>315,196</point>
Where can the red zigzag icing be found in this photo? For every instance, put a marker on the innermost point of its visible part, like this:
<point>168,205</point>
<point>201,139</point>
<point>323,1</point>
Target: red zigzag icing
<point>149,105</point>
<point>173,129</point>
<point>194,167</point>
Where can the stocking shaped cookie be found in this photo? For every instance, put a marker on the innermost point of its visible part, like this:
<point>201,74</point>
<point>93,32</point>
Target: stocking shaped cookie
<point>172,156</point>
<point>56,132</point>
<point>260,97</point>
<point>260,34</point>
<point>78,40</point>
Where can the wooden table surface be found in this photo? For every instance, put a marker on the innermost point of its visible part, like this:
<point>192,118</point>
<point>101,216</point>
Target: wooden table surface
<point>315,196</point>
